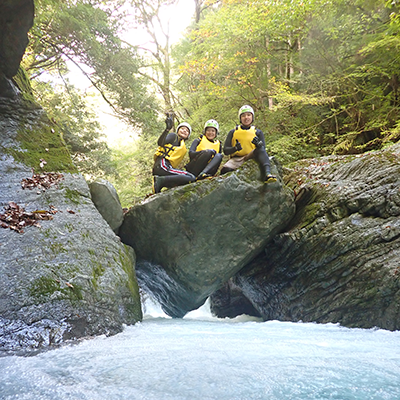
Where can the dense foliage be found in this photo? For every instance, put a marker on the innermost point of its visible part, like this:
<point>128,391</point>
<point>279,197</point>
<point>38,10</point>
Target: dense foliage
<point>86,34</point>
<point>81,130</point>
<point>321,75</point>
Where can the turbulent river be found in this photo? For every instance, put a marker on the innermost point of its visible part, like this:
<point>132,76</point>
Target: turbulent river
<point>201,357</point>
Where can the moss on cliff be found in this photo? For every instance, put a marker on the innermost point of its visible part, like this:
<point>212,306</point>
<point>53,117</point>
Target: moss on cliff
<point>42,141</point>
<point>36,138</point>
<point>128,266</point>
<point>24,85</point>
<point>47,286</point>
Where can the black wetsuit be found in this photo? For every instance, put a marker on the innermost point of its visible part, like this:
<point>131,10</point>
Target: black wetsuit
<point>162,165</point>
<point>205,161</point>
<point>259,153</point>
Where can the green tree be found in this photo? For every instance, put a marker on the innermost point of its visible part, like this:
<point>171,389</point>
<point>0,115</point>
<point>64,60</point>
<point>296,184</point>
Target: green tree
<point>338,61</point>
<point>311,69</point>
<point>82,132</point>
<point>133,166</point>
<point>246,53</point>
<point>86,34</point>
<point>158,65</point>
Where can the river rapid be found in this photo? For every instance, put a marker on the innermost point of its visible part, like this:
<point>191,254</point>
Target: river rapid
<point>202,357</point>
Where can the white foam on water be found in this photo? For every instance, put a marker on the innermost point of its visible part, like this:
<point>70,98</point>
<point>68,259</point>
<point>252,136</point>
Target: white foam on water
<point>203,357</point>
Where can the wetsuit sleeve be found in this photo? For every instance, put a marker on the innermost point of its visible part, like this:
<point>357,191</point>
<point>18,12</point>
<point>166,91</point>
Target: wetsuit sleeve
<point>167,138</point>
<point>193,147</point>
<point>260,134</point>
<point>161,139</point>
<point>220,147</point>
<point>228,149</point>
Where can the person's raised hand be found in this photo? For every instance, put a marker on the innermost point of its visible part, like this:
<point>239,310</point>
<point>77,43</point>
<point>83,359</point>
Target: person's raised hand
<point>169,122</point>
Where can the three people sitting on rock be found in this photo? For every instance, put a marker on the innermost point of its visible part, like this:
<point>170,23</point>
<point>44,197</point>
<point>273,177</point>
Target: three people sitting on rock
<point>243,143</point>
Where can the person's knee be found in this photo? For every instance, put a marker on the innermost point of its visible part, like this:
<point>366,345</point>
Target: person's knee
<point>207,155</point>
<point>192,178</point>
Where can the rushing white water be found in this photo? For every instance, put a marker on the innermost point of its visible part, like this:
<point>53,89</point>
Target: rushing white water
<point>200,357</point>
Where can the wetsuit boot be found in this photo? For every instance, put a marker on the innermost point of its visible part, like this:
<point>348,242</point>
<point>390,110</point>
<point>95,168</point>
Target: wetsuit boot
<point>264,164</point>
<point>157,184</point>
<point>266,175</point>
<point>269,178</point>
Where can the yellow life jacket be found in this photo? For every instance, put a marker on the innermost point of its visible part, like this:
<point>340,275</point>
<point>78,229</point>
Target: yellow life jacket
<point>245,136</point>
<point>206,144</point>
<point>174,154</point>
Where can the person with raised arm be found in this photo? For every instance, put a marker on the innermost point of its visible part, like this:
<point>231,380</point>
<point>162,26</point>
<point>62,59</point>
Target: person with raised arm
<point>169,154</point>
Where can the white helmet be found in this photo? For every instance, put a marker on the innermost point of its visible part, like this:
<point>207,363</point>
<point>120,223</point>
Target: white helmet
<point>187,126</point>
<point>211,123</point>
<point>244,109</point>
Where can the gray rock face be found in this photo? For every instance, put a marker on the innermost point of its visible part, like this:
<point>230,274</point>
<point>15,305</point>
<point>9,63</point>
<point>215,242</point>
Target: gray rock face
<point>16,18</point>
<point>71,277</point>
<point>106,200</point>
<point>339,259</point>
<point>191,239</point>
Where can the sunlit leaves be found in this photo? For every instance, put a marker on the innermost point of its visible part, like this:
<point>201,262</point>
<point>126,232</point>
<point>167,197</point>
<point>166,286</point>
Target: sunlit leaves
<point>323,68</point>
<point>242,38</point>
<point>86,33</point>
<point>81,130</point>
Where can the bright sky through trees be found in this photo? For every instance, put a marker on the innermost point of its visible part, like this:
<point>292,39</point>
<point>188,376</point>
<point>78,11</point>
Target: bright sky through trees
<point>175,19</point>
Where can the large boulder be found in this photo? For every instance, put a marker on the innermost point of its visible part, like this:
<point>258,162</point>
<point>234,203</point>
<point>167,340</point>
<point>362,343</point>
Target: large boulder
<point>106,200</point>
<point>339,259</point>
<point>64,273</point>
<point>191,239</point>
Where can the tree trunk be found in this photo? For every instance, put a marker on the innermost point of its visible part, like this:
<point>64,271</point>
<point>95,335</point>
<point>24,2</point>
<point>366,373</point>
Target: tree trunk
<point>270,99</point>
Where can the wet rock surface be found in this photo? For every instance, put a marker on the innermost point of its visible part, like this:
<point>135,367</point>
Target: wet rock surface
<point>68,275</point>
<point>338,260</point>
